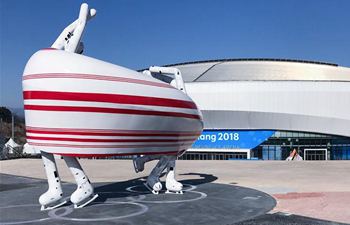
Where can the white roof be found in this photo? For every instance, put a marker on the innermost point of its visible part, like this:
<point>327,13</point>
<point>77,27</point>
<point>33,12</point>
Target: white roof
<point>30,149</point>
<point>11,143</point>
<point>261,70</point>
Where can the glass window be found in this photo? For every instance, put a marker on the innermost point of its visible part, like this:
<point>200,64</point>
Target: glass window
<point>283,134</point>
<point>277,134</point>
<point>271,152</point>
<point>278,153</point>
<point>265,152</point>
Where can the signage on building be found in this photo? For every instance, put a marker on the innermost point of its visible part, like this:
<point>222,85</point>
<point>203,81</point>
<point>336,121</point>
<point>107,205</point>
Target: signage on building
<point>232,139</point>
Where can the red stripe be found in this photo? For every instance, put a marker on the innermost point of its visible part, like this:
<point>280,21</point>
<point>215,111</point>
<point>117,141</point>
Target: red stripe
<point>105,140</point>
<point>112,130</point>
<point>117,154</point>
<point>111,98</point>
<point>95,77</point>
<point>112,134</point>
<point>109,110</point>
<point>106,146</point>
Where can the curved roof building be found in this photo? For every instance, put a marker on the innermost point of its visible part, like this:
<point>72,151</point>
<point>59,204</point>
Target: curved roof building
<point>271,94</point>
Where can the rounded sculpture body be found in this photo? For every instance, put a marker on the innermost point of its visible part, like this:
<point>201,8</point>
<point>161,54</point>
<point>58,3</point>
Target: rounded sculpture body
<point>80,106</point>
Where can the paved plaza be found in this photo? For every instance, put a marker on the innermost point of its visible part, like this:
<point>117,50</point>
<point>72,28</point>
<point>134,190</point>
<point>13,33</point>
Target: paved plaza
<point>289,191</point>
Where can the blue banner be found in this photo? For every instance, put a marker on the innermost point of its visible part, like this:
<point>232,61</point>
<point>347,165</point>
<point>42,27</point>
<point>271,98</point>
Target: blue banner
<point>232,139</point>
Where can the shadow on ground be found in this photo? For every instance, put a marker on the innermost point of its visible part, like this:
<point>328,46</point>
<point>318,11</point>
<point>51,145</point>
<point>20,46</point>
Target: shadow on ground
<point>129,202</point>
<point>118,189</point>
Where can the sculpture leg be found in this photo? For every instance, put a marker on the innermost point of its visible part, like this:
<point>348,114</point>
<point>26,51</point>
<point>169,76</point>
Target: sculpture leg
<point>139,162</point>
<point>84,194</point>
<point>171,184</point>
<point>153,182</point>
<point>52,197</point>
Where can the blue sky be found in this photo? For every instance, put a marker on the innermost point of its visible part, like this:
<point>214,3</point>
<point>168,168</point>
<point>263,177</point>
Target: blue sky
<point>137,34</point>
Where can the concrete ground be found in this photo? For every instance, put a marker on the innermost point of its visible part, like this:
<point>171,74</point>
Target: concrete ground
<point>312,189</point>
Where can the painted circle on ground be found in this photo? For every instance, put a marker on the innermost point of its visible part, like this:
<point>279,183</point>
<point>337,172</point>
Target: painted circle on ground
<point>37,207</point>
<point>142,198</point>
<point>54,214</point>
<point>131,189</point>
<point>67,210</point>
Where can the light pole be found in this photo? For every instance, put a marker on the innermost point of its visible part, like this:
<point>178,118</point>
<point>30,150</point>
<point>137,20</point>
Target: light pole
<point>13,126</point>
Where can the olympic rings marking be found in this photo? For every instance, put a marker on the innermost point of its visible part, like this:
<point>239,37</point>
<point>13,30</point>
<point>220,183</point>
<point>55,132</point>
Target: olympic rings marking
<point>25,221</point>
<point>53,213</point>
<point>141,198</point>
<point>137,201</point>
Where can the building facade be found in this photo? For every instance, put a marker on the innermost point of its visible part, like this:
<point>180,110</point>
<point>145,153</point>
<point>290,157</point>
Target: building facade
<point>265,108</point>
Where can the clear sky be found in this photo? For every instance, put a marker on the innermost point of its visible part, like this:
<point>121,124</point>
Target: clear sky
<point>137,34</point>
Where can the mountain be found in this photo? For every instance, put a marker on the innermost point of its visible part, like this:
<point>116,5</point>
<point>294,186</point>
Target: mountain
<point>18,111</point>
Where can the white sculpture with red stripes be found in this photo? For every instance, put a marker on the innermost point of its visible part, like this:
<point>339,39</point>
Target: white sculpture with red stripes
<point>78,106</point>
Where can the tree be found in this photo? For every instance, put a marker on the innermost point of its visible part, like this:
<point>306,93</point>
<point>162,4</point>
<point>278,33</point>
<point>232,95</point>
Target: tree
<point>5,114</point>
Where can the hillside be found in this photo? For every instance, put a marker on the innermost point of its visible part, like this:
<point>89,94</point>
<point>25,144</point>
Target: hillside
<point>5,126</point>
